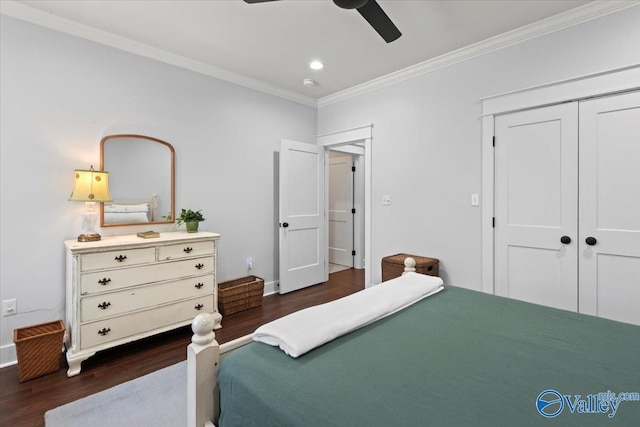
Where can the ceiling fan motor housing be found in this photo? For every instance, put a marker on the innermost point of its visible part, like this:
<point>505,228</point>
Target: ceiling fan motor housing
<point>350,4</point>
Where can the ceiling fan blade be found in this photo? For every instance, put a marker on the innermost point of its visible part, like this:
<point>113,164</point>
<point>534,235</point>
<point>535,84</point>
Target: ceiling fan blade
<point>373,13</point>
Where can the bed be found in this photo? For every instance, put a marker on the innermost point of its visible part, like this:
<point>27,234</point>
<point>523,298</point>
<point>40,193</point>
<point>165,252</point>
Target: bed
<point>456,358</point>
<point>131,211</point>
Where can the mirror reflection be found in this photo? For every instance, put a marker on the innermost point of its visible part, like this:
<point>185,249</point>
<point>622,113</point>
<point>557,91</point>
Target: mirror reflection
<point>141,180</point>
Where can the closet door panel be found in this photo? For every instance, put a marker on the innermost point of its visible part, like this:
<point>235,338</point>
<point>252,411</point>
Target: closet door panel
<point>536,169</point>
<point>609,270</point>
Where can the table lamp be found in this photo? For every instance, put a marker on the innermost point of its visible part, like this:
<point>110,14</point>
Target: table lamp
<point>90,186</point>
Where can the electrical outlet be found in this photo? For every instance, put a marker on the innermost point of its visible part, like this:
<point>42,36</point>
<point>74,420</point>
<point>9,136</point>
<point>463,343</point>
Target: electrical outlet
<point>386,200</point>
<point>9,307</point>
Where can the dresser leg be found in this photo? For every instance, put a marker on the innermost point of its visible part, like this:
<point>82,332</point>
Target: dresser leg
<point>75,362</point>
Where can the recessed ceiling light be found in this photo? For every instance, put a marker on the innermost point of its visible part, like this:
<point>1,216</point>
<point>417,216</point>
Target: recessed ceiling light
<point>309,82</point>
<point>316,65</point>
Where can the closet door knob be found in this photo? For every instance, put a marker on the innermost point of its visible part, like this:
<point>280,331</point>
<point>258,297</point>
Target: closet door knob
<point>285,224</point>
<point>565,240</point>
<point>591,241</point>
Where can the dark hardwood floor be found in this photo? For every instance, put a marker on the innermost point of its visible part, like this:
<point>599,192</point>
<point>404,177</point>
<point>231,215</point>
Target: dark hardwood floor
<point>25,404</point>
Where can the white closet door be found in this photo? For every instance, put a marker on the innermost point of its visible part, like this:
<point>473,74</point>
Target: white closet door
<point>609,268</point>
<point>536,173</point>
<point>340,214</point>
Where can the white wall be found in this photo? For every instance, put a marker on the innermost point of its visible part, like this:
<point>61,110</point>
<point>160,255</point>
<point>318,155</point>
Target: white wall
<point>427,137</point>
<point>61,95</point>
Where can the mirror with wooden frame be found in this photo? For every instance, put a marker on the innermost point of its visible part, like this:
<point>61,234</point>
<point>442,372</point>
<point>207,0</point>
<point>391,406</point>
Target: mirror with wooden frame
<point>141,180</point>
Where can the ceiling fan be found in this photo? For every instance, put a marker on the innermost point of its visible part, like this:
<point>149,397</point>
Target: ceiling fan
<point>371,11</point>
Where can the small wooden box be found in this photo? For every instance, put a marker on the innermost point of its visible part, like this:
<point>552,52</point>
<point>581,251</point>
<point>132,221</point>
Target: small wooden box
<point>38,348</point>
<point>393,266</point>
<point>240,294</point>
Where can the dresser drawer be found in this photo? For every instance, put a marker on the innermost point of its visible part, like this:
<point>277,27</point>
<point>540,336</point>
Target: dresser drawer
<point>104,281</point>
<point>114,259</point>
<point>120,302</point>
<point>105,331</point>
<point>184,250</point>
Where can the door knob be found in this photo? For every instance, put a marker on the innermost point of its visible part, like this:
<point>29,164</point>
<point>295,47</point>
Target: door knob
<point>565,240</point>
<point>591,241</point>
<point>285,224</point>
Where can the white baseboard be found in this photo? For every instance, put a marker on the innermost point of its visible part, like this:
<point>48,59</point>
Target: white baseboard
<point>8,355</point>
<point>271,288</point>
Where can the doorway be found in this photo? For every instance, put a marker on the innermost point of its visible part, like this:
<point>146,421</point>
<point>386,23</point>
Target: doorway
<point>340,210</point>
<point>344,210</point>
<point>356,142</point>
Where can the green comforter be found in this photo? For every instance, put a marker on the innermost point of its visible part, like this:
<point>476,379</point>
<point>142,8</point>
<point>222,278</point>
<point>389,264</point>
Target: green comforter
<point>458,358</point>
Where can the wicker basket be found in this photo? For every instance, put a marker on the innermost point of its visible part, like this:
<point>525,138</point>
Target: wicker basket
<point>393,266</point>
<point>240,294</point>
<point>38,348</point>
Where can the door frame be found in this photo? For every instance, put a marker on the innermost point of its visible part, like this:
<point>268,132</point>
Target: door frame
<point>357,141</point>
<point>599,84</point>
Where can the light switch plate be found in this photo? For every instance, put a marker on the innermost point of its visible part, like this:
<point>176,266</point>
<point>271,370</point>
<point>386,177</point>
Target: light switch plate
<point>475,199</point>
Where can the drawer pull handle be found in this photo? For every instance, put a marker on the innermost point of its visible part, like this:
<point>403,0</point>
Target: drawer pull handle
<point>199,307</point>
<point>104,305</point>
<point>104,331</point>
<point>121,258</point>
<point>104,281</point>
<point>199,285</point>
<point>187,249</point>
<point>199,266</point>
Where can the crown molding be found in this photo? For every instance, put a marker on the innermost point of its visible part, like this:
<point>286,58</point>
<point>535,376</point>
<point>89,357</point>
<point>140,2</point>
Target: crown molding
<point>589,11</point>
<point>23,12</point>
<point>549,25</point>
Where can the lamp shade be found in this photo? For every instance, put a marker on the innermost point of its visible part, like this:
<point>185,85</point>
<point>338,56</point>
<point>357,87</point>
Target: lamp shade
<point>90,186</point>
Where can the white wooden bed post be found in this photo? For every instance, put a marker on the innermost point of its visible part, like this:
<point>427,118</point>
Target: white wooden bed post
<point>409,265</point>
<point>203,356</point>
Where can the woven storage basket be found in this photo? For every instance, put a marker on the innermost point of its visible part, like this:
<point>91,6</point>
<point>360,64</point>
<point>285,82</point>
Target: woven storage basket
<point>240,294</point>
<point>393,266</point>
<point>38,348</point>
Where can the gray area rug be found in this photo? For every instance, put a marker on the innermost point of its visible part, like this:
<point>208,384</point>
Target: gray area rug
<point>158,399</point>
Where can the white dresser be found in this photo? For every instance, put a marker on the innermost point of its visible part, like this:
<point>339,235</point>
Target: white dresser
<point>123,288</point>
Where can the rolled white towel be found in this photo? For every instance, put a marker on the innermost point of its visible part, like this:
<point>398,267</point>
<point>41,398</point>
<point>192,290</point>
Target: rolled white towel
<point>307,329</point>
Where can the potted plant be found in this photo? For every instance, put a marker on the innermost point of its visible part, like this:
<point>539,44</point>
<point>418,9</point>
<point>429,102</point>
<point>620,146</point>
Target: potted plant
<point>191,219</point>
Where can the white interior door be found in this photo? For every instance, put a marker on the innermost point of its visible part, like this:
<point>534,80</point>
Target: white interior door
<point>340,209</point>
<point>610,207</point>
<point>302,215</point>
<point>536,167</point>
